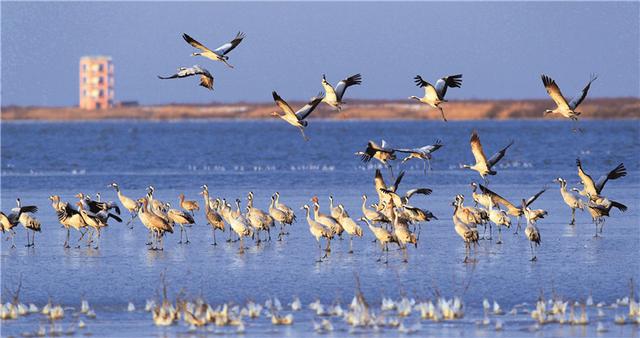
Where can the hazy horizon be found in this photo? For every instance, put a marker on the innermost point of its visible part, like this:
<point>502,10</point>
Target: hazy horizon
<point>501,48</point>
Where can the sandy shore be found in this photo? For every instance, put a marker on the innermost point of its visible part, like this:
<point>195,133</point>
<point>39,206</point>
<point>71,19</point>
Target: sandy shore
<point>605,108</point>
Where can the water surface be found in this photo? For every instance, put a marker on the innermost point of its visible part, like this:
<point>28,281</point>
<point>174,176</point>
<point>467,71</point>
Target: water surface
<point>233,158</point>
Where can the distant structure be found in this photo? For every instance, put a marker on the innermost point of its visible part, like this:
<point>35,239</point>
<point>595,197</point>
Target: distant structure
<point>96,82</point>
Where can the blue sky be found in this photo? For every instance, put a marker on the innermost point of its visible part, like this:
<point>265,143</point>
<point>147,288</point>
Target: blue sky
<point>501,48</point>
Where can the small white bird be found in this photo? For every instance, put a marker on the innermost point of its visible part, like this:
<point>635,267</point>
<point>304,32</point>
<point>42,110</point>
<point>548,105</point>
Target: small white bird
<point>532,233</point>
<point>218,54</point>
<point>483,166</point>
<point>206,79</point>
<point>296,119</point>
<point>422,153</point>
<point>434,96</point>
<point>383,153</point>
<point>333,97</point>
<point>564,108</point>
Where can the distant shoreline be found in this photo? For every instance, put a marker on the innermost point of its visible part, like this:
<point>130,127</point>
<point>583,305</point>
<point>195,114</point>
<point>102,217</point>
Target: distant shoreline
<point>598,108</point>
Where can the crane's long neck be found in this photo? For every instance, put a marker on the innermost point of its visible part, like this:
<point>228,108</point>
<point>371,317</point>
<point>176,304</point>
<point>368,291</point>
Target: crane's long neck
<point>331,202</point>
<point>394,214</point>
<point>364,204</point>
<point>205,196</point>
<point>238,212</point>
<point>250,202</point>
<point>563,186</point>
<point>56,203</point>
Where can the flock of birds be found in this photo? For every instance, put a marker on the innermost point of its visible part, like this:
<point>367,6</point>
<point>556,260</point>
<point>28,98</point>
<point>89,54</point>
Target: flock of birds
<point>392,219</point>
<point>359,315</point>
<point>434,95</point>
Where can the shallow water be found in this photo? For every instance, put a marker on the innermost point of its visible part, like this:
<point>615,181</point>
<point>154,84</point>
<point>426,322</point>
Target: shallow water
<point>233,158</point>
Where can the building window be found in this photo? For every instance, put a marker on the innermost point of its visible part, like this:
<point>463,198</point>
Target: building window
<point>84,93</point>
<point>100,79</point>
<point>100,67</point>
<point>84,67</point>
<point>84,79</point>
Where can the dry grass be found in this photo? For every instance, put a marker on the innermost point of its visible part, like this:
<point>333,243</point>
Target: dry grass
<point>610,108</point>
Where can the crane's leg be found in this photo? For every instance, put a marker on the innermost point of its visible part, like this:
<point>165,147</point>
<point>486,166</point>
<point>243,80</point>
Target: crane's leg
<point>424,164</point>
<point>533,255</point>
<point>152,242</point>
<point>90,238</point>
<point>328,248</point>
<point>151,238</point>
<point>319,252</point>
<point>98,239</point>
<point>214,236</point>
<point>390,167</point>
<point>467,248</point>
<point>66,242</point>
<point>405,256</point>
<point>387,254</point>
<point>442,113</point>
<point>13,242</point>
<point>27,231</point>
<point>181,231</point>
<point>576,129</point>
<point>186,235</point>
<point>241,244</point>
<point>350,244</point>
<point>573,216</point>
<point>303,134</point>
<point>133,215</point>
<point>226,63</point>
<point>595,222</point>
<point>499,234</point>
<point>518,226</point>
